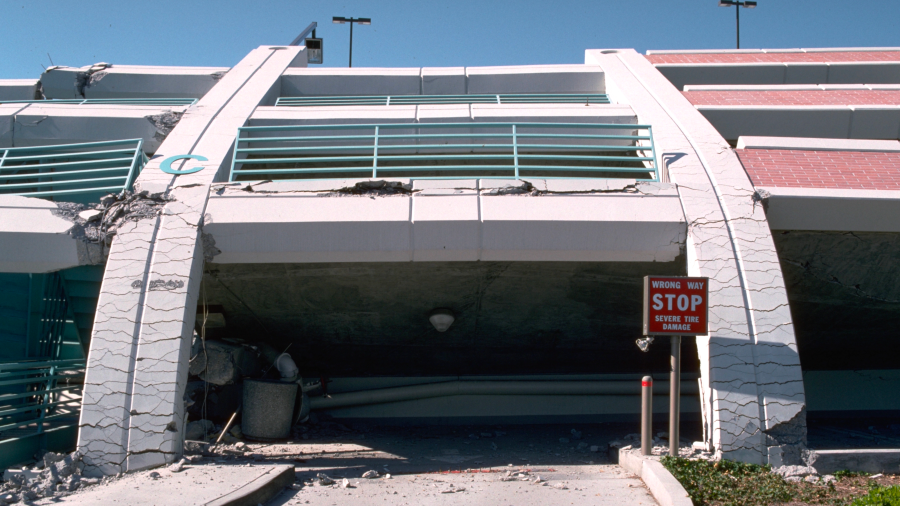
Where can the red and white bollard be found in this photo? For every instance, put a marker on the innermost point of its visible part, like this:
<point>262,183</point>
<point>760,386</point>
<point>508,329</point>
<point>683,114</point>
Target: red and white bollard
<point>646,415</point>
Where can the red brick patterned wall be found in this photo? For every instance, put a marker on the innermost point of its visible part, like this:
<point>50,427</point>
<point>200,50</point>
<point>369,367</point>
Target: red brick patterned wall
<point>822,169</point>
<point>795,97</point>
<point>824,57</point>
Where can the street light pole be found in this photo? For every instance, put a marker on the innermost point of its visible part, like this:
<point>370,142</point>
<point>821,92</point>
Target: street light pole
<point>341,20</point>
<point>747,4</point>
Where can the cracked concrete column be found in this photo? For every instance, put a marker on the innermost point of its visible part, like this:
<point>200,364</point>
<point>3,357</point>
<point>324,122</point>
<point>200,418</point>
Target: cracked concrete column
<point>750,368</point>
<point>132,413</point>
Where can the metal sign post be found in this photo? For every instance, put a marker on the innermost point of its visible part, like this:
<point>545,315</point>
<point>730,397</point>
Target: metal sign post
<point>674,396</point>
<point>675,306</point>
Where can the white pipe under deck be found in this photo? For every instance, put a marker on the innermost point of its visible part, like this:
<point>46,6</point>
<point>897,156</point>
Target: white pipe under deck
<point>450,388</point>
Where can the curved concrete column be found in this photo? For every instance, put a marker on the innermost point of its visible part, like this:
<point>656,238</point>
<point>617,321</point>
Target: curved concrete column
<point>132,414</point>
<point>752,384</point>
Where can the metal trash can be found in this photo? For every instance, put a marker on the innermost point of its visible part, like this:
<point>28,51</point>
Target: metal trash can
<point>268,409</point>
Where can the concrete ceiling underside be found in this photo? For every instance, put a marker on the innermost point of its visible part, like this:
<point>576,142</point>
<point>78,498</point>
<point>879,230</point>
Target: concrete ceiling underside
<point>844,296</point>
<point>511,317</point>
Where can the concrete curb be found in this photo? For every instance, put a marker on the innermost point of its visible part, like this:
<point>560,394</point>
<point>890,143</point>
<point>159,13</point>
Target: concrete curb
<point>258,491</point>
<point>876,460</point>
<point>665,488</point>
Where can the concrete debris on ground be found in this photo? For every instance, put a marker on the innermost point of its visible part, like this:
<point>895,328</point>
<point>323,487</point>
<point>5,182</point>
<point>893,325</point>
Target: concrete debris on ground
<point>331,459</point>
<point>547,467</point>
<point>54,476</point>
<point>792,471</point>
<point>802,473</point>
<point>178,466</point>
<point>661,446</point>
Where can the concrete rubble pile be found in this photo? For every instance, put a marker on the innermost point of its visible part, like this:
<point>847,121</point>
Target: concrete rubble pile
<point>217,371</point>
<point>98,223</point>
<point>802,473</point>
<point>94,225</point>
<point>214,387</point>
<point>698,451</point>
<point>661,447</point>
<point>55,475</point>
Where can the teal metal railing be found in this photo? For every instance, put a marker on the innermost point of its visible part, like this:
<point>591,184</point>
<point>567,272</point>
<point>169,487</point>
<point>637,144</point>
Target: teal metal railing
<point>38,400</point>
<point>64,171</point>
<point>445,151</point>
<point>162,102</point>
<point>40,396</point>
<point>533,98</point>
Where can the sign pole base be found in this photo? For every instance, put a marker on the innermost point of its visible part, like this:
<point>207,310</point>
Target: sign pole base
<point>675,396</point>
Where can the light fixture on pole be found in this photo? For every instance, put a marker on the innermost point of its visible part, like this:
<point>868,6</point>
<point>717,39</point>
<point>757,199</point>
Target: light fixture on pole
<point>748,4</point>
<point>341,20</point>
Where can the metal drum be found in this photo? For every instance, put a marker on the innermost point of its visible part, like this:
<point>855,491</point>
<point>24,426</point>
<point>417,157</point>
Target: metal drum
<point>268,409</point>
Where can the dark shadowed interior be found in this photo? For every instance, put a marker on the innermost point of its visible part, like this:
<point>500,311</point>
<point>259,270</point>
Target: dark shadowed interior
<point>371,319</point>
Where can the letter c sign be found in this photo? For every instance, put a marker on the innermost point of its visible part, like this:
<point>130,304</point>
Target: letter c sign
<point>166,165</point>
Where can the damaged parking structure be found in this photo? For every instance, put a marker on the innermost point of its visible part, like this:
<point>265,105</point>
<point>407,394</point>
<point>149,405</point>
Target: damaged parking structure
<point>205,253</point>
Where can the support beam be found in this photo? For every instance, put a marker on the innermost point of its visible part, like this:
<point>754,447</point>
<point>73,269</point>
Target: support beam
<point>133,413</point>
<point>753,388</point>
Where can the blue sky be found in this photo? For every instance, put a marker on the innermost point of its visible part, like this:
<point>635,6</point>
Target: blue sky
<point>418,33</point>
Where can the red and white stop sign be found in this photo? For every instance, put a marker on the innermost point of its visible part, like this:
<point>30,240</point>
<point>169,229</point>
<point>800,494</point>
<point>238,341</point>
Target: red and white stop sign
<point>676,306</point>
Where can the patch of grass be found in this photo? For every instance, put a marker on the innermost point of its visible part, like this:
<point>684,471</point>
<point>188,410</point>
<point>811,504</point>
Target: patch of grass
<point>728,483</point>
<point>880,496</point>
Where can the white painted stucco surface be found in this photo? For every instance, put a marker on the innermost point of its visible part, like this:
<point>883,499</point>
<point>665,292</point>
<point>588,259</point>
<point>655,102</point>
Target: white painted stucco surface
<point>832,121</point>
<point>132,81</point>
<point>46,124</point>
<point>818,144</point>
<point>874,72</point>
<point>32,238</point>
<point>17,89</point>
<point>299,82</point>
<point>446,221</point>
<point>559,113</point>
<point>826,209</point>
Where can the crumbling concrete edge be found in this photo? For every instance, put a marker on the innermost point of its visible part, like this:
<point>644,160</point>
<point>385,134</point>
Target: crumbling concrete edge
<point>875,460</point>
<point>259,491</point>
<point>665,488</point>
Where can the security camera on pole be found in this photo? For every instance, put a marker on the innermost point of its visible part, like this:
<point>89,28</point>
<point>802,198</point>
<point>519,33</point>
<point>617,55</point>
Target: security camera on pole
<point>675,306</point>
